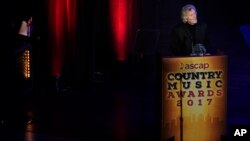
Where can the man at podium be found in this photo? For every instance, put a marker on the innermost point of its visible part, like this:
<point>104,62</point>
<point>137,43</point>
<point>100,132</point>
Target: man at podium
<point>189,38</point>
<point>191,102</point>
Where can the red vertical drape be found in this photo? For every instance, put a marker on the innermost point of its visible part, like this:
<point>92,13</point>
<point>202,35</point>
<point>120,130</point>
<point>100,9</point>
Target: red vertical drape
<point>119,15</point>
<point>122,15</point>
<point>62,30</point>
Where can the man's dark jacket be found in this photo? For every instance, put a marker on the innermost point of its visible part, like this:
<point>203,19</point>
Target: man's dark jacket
<point>184,36</point>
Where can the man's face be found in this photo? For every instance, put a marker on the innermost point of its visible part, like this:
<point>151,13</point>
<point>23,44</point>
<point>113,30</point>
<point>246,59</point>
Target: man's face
<point>191,17</point>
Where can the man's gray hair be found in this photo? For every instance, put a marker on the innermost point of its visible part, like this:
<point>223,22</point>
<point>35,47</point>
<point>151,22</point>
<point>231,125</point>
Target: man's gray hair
<point>184,11</point>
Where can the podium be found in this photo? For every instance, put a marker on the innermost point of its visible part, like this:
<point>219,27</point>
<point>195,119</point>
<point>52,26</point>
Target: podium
<point>194,98</point>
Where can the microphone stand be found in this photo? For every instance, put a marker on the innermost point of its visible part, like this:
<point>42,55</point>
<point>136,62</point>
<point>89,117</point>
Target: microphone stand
<point>181,113</point>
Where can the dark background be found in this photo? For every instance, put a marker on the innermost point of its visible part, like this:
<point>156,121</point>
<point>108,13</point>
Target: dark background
<point>101,83</point>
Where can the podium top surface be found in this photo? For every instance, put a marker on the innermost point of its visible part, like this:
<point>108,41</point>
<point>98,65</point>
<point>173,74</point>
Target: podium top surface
<point>206,56</point>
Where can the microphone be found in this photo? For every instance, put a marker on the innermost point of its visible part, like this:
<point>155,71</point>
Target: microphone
<point>199,50</point>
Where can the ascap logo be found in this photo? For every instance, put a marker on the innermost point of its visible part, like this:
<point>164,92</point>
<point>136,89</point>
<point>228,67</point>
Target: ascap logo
<point>196,66</point>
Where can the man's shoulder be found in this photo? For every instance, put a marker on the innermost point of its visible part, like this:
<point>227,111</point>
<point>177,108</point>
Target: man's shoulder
<point>202,27</point>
